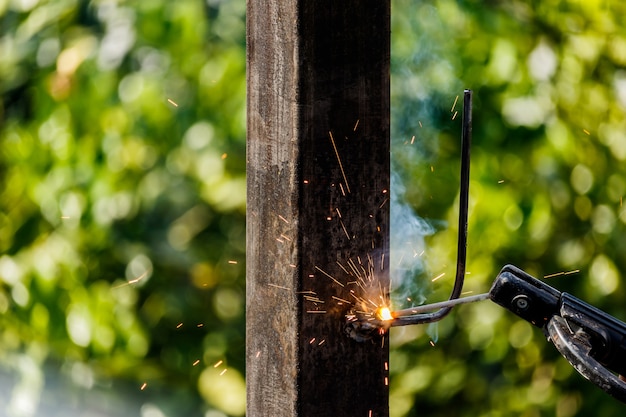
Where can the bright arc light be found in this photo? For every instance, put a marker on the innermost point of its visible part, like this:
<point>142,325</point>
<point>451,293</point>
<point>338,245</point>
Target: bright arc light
<point>384,314</point>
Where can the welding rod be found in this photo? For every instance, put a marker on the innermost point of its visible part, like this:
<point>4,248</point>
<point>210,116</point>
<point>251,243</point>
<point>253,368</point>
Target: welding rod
<point>404,317</point>
<point>412,315</point>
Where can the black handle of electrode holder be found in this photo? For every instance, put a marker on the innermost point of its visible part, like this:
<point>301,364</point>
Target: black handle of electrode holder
<point>590,339</point>
<point>524,295</point>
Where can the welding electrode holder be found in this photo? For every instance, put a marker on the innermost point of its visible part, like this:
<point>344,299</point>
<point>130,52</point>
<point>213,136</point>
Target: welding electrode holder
<point>591,340</point>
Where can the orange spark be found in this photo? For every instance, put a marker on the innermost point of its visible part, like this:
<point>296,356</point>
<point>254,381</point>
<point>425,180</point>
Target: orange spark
<point>574,271</point>
<point>278,286</point>
<point>341,300</point>
<point>438,276</point>
<point>139,278</point>
<point>328,275</point>
<point>343,226</point>
<point>454,105</point>
<point>332,139</point>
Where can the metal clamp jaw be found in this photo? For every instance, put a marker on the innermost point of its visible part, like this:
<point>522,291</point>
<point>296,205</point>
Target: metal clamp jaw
<point>591,340</point>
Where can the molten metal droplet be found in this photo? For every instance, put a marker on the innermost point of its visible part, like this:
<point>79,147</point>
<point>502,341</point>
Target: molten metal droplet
<point>384,314</point>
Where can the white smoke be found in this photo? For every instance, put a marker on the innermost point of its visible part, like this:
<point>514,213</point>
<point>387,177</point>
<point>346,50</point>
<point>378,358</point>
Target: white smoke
<point>408,232</point>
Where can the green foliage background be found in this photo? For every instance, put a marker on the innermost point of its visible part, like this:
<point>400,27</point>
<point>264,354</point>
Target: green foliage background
<point>122,160</point>
<point>123,213</point>
<point>548,177</point>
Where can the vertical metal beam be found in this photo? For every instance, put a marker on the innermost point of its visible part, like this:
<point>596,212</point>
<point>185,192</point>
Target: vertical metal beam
<point>318,217</point>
